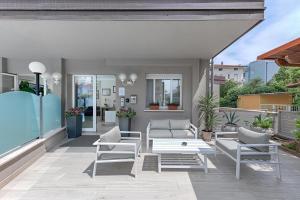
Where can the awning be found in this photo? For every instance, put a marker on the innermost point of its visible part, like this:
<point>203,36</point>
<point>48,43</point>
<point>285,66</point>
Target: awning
<point>287,55</point>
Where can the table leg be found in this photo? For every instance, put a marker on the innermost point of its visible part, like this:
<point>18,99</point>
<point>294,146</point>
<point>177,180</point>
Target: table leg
<point>159,163</point>
<point>205,164</point>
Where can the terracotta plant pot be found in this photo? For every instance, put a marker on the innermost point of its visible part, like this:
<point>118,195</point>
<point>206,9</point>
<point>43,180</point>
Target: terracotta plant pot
<point>172,107</point>
<point>206,136</point>
<point>154,107</point>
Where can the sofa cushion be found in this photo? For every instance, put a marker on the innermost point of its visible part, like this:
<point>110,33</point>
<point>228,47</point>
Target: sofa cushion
<point>160,124</point>
<point>180,124</point>
<point>182,134</point>
<point>160,134</point>
<point>113,135</point>
<point>229,145</point>
<point>251,137</point>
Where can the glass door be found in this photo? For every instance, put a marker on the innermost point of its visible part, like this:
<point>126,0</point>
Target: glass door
<point>84,96</point>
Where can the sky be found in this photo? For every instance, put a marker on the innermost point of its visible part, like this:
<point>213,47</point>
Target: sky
<point>281,25</point>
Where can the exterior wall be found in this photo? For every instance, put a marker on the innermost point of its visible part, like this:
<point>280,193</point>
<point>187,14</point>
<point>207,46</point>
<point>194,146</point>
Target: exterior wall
<point>193,84</point>
<point>262,69</point>
<point>190,69</point>
<point>230,73</point>
<point>255,101</point>
<point>286,99</point>
<point>287,123</point>
<point>251,102</point>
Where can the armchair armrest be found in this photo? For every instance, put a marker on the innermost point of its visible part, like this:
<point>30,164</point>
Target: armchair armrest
<point>194,130</point>
<point>224,133</point>
<point>260,145</point>
<point>133,132</point>
<point>99,143</point>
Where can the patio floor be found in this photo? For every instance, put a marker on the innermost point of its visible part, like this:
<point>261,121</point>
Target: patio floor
<point>65,173</point>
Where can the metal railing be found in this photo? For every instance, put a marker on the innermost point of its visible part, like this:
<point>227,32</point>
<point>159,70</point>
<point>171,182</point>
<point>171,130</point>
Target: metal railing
<point>279,107</point>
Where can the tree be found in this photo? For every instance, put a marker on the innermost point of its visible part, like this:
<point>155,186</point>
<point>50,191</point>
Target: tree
<point>227,86</point>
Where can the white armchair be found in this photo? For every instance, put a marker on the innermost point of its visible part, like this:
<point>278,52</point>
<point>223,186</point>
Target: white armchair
<point>112,148</point>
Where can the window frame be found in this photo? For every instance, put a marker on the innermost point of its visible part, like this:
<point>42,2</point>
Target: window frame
<point>170,77</point>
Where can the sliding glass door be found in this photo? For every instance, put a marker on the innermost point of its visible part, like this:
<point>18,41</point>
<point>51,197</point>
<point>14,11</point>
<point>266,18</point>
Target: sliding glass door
<point>84,96</point>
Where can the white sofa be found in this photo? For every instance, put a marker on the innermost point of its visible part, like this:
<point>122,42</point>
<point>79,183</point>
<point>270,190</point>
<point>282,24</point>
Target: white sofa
<point>249,147</point>
<point>170,128</point>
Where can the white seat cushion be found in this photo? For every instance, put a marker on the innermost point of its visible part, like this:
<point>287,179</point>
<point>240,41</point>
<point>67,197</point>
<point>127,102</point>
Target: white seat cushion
<point>180,124</point>
<point>182,134</point>
<point>160,134</point>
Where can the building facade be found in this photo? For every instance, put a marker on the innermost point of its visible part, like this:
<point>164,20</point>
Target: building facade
<point>263,69</point>
<point>230,72</point>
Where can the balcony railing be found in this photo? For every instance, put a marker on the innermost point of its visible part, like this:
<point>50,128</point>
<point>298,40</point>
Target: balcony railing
<point>279,107</point>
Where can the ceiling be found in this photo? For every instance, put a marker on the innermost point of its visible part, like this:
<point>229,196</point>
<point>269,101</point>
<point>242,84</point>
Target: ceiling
<point>118,39</point>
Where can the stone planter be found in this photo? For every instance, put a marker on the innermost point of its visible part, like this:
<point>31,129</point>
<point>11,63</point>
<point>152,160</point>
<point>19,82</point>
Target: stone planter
<point>206,136</point>
<point>74,126</point>
<point>229,128</point>
<point>125,125</point>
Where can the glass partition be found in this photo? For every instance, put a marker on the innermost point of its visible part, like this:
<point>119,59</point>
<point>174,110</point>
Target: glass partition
<point>51,112</point>
<point>19,119</point>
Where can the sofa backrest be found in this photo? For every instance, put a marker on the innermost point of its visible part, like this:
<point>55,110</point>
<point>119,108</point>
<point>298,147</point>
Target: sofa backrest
<point>251,137</point>
<point>113,135</point>
<point>160,124</point>
<point>180,124</point>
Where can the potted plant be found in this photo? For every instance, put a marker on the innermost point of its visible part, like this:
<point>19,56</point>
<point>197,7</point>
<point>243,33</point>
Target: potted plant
<point>173,106</point>
<point>232,120</point>
<point>154,106</point>
<point>262,124</point>
<point>125,116</point>
<point>74,122</point>
<point>207,114</point>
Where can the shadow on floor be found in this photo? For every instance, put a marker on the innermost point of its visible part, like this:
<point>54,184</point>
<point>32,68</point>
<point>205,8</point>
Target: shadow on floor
<point>108,169</point>
<point>81,144</point>
<point>150,163</point>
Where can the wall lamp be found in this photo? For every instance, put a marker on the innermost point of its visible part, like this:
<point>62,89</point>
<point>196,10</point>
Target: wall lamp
<point>130,81</point>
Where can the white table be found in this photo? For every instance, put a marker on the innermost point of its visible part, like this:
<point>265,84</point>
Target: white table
<point>172,149</point>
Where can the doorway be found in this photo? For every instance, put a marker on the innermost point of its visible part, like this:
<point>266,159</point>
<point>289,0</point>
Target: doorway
<point>96,95</point>
<point>106,102</point>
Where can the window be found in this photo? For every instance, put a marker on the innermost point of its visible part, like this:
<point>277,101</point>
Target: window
<point>163,89</point>
<point>220,69</point>
<point>228,76</point>
<point>235,69</point>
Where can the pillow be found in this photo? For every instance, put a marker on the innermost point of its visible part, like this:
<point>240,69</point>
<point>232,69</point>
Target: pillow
<point>160,124</point>
<point>251,137</point>
<point>114,135</point>
<point>180,124</point>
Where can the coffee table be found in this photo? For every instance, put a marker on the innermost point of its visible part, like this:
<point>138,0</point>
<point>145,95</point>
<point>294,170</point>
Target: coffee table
<point>181,153</point>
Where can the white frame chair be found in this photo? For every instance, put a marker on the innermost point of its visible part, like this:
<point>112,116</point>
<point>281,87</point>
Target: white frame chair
<point>192,128</point>
<point>273,152</point>
<point>134,151</point>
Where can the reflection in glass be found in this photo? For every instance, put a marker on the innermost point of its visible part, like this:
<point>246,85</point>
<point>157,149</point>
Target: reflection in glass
<point>7,83</point>
<point>84,98</point>
<point>162,91</point>
<point>176,91</point>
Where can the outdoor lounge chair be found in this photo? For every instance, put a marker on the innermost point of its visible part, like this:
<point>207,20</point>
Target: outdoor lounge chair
<point>249,147</point>
<point>112,147</point>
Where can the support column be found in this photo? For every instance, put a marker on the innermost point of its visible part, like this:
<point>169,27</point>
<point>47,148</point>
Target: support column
<point>211,76</point>
<point>200,74</point>
<point>3,69</point>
